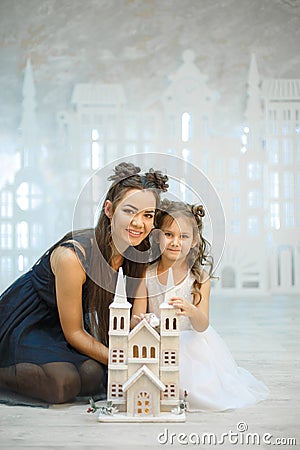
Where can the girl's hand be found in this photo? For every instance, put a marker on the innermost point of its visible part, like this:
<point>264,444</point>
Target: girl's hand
<point>184,308</point>
<point>198,311</point>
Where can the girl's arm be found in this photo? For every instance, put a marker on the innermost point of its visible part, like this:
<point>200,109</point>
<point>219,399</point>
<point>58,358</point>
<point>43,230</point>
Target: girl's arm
<point>139,304</point>
<point>198,312</point>
<point>69,278</point>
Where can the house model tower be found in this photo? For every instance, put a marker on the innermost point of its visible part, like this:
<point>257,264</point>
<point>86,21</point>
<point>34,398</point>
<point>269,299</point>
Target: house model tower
<point>143,367</point>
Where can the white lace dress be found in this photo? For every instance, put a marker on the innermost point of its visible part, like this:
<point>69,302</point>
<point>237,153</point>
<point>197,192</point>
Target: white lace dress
<point>208,371</point>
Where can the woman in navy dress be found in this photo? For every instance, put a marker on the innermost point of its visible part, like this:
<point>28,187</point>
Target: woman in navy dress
<point>54,318</point>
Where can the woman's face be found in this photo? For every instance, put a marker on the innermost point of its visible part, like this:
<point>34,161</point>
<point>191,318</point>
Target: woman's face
<point>133,218</point>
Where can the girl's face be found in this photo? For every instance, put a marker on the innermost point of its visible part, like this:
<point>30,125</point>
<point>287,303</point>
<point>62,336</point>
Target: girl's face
<point>133,218</point>
<point>176,238</point>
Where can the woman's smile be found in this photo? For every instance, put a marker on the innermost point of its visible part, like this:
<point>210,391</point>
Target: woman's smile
<point>134,233</point>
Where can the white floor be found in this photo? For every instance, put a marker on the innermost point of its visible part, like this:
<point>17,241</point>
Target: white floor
<point>263,335</point>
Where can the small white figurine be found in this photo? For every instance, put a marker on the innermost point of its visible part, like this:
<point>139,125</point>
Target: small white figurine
<point>152,319</point>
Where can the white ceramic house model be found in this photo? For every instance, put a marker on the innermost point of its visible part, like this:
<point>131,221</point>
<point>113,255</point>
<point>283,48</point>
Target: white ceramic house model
<point>143,367</point>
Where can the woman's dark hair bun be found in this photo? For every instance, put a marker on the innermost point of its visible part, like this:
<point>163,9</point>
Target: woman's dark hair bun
<point>154,179</point>
<point>157,180</point>
<point>123,171</point>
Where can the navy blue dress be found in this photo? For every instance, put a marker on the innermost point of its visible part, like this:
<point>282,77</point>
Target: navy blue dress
<point>30,329</point>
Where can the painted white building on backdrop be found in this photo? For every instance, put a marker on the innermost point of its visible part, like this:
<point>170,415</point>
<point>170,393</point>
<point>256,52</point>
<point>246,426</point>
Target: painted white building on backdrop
<point>256,175</point>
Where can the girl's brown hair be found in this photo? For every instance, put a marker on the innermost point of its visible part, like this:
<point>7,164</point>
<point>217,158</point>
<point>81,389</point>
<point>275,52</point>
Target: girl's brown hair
<point>198,257</point>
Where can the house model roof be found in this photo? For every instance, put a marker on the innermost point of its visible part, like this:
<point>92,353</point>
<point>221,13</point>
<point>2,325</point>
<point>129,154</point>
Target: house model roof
<point>143,324</point>
<point>120,298</point>
<point>143,371</point>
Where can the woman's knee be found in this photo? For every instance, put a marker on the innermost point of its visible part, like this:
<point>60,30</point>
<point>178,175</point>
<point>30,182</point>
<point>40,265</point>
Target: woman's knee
<point>64,390</point>
<point>93,377</point>
<point>52,382</point>
<point>64,382</point>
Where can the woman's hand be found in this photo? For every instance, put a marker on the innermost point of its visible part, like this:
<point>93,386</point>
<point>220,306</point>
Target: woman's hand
<point>136,319</point>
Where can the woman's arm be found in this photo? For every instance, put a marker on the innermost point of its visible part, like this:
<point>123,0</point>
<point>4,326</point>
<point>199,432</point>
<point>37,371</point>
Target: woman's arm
<point>69,278</point>
<point>140,304</point>
<point>198,312</point>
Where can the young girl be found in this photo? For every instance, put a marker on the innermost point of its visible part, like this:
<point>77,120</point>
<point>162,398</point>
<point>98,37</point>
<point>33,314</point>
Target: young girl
<point>207,369</point>
<point>54,318</point>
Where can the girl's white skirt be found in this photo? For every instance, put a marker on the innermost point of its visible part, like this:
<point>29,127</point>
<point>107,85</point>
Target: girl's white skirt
<point>211,376</point>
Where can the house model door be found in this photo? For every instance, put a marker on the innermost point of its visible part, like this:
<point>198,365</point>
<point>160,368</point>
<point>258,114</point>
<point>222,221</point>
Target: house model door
<point>143,403</point>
